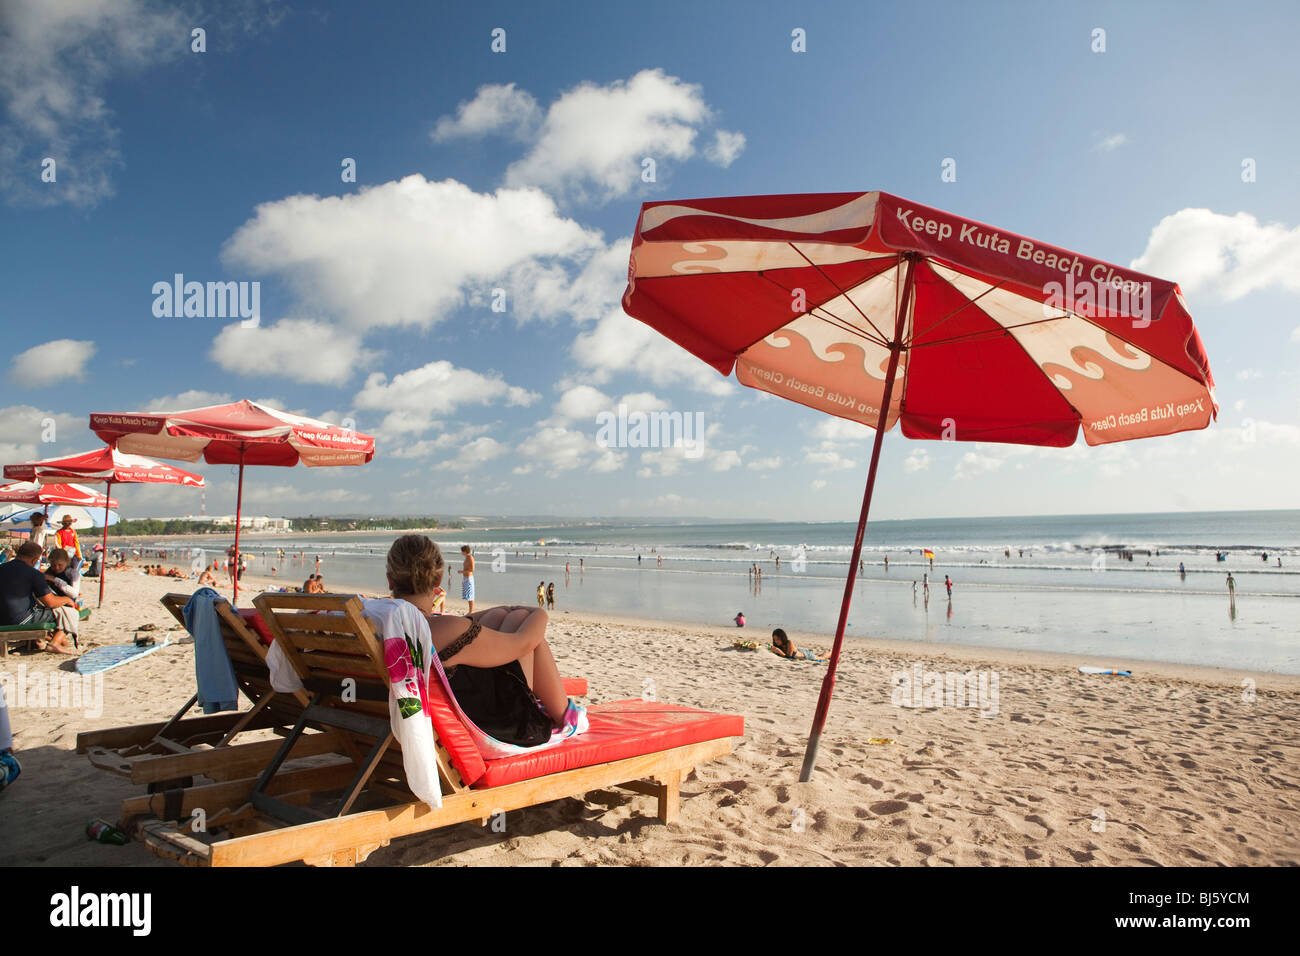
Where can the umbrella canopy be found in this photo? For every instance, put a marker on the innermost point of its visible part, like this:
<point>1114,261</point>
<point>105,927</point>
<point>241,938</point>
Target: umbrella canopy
<point>38,493</point>
<point>82,519</point>
<point>882,311</point>
<point>108,465</point>
<point>105,464</point>
<point>240,433</point>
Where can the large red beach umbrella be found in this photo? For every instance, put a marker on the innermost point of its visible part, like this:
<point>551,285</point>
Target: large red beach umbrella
<point>240,433</point>
<point>879,310</point>
<point>108,465</point>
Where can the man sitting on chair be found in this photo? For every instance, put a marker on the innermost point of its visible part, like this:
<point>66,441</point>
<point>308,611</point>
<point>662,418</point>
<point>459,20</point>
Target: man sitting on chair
<point>25,598</point>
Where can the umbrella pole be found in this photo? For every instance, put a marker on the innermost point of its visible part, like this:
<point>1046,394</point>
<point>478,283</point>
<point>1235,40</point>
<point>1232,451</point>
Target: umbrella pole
<point>103,558</point>
<point>828,682</point>
<point>239,507</point>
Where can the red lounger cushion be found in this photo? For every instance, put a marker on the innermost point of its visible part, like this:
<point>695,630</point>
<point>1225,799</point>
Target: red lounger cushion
<point>575,686</point>
<point>624,728</point>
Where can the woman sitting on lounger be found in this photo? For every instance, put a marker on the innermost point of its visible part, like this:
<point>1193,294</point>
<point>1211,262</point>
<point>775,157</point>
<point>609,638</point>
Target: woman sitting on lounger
<point>497,661</point>
<point>782,646</point>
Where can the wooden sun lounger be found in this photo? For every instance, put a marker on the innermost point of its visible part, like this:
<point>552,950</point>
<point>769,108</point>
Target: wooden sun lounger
<point>20,633</point>
<point>171,752</point>
<point>338,812</point>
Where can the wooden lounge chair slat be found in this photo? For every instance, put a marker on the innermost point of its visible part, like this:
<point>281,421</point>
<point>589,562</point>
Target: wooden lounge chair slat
<point>322,663</point>
<point>308,623</point>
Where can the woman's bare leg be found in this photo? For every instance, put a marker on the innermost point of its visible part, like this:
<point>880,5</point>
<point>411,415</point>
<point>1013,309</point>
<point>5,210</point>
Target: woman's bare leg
<point>546,682</point>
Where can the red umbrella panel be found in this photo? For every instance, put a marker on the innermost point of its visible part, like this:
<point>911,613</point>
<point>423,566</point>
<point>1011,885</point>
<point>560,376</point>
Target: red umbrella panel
<point>240,433</point>
<point>108,465</point>
<point>38,493</point>
<point>872,308</point>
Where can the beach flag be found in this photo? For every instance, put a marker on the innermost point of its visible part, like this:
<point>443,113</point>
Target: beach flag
<point>929,555</point>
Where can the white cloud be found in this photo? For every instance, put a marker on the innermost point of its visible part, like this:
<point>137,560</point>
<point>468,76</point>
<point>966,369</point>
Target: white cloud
<point>765,464</point>
<point>580,403</point>
<point>725,461</point>
<point>301,350</point>
<point>546,291</point>
<point>841,429</point>
<point>556,450</point>
<point>1108,144</point>
<point>474,453</point>
<point>24,431</point>
<point>818,484</point>
<point>61,359</point>
<point>828,457</point>
<point>495,108</point>
<point>919,460</point>
<point>194,398</point>
<point>619,343</point>
<point>412,398</point>
<point>57,58</point>
<point>1229,255</point>
<point>726,146</point>
<point>593,139</point>
<point>402,253</point>
<point>397,448</point>
<point>973,463</point>
<point>1246,374</point>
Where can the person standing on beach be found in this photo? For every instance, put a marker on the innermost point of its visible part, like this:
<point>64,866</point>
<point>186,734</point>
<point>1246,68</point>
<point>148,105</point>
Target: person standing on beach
<point>582,564</point>
<point>467,578</point>
<point>550,596</point>
<point>886,562</point>
<point>947,582</point>
<point>541,594</point>
<point>39,530</point>
<point>66,538</point>
<point>1232,587</point>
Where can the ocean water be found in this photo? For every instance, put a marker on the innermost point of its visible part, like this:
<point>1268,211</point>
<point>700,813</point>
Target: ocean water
<point>1107,586</point>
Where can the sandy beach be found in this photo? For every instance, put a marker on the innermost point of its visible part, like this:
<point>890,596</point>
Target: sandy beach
<point>1176,765</point>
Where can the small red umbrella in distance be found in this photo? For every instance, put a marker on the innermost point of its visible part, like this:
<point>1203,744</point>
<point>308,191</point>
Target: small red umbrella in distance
<point>108,465</point>
<point>879,310</point>
<point>44,493</point>
<point>240,433</point>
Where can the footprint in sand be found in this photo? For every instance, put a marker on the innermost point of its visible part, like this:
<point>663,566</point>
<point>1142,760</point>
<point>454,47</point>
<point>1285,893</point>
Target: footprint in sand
<point>884,808</point>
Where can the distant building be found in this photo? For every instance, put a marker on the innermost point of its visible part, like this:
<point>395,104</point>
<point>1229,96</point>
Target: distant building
<point>252,522</point>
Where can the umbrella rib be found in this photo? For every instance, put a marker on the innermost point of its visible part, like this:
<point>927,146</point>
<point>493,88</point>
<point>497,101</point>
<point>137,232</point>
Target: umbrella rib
<point>821,273</point>
<point>942,319</point>
<point>989,333</point>
<point>833,320</point>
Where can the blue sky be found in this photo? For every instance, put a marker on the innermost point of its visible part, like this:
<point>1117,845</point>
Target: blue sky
<point>521,170</point>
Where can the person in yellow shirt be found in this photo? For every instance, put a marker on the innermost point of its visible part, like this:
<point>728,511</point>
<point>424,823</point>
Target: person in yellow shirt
<point>67,539</point>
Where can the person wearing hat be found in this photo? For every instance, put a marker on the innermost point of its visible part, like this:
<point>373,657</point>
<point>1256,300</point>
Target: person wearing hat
<point>39,530</point>
<point>69,542</point>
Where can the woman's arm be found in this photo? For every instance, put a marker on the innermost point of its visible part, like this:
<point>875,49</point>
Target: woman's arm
<point>521,630</point>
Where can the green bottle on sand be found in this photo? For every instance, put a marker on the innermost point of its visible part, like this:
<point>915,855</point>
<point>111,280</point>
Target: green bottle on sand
<point>104,832</point>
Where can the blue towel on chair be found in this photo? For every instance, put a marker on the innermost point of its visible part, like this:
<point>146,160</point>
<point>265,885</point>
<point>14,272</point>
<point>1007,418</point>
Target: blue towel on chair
<point>212,671</point>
